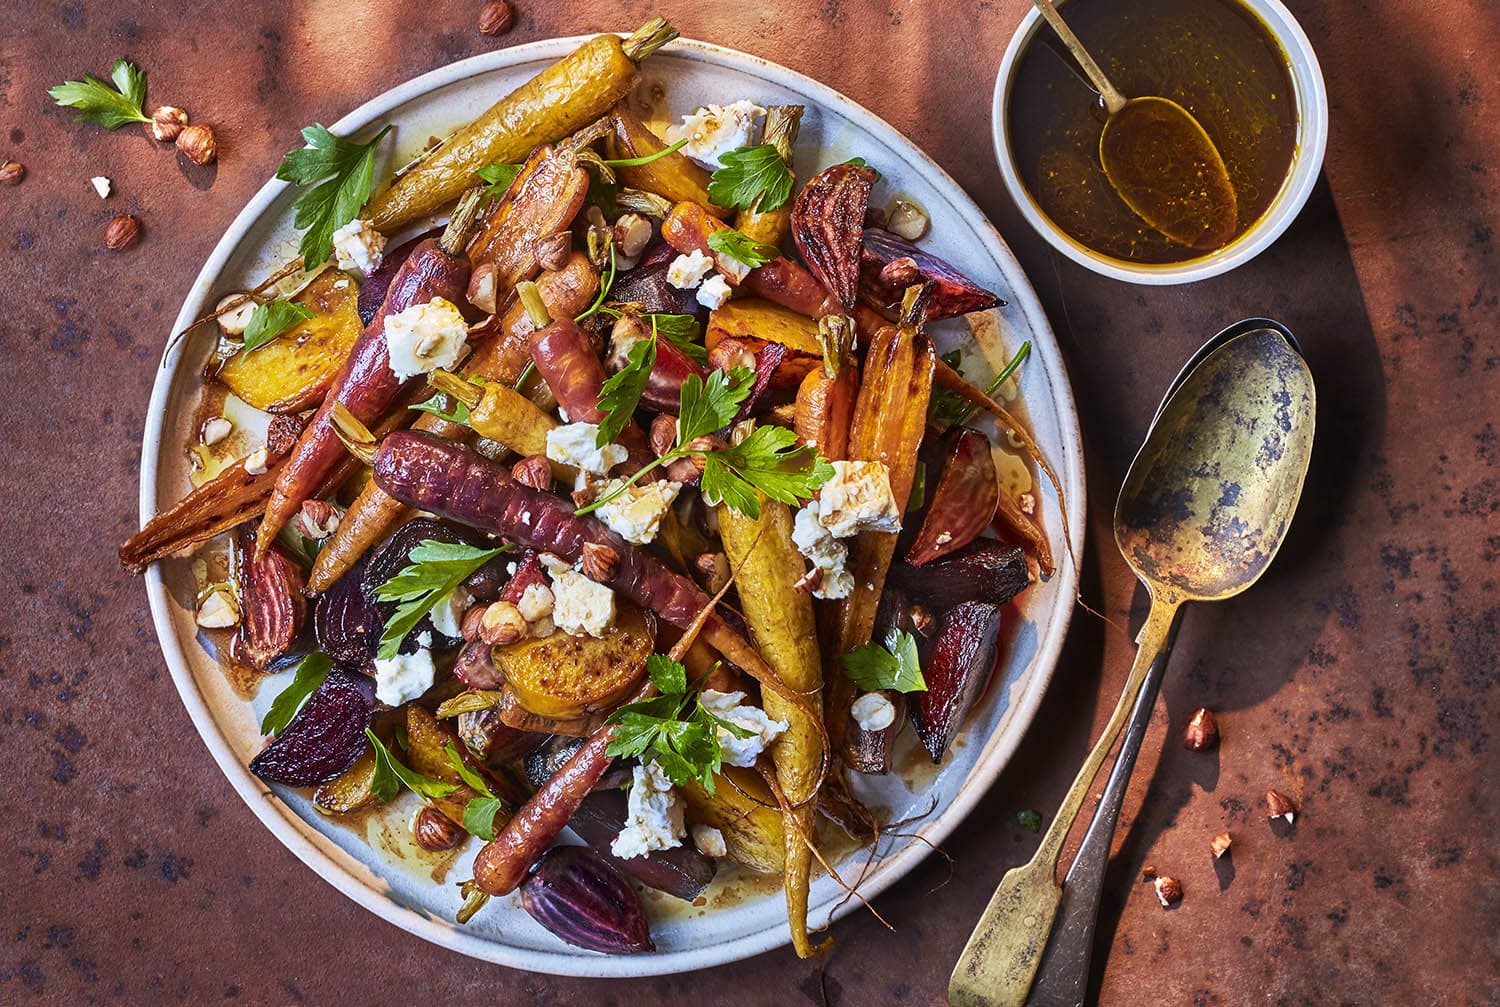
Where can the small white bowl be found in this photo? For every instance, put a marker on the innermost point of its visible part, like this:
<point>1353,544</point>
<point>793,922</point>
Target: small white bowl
<point>1307,161</point>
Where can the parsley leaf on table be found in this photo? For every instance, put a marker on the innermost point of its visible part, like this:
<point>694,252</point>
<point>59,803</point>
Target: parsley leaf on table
<point>674,729</point>
<point>390,776</point>
<point>892,666</point>
<point>271,320</point>
<point>340,172</point>
<point>739,245</point>
<point>433,572</point>
<point>110,107</point>
<point>622,390</point>
<point>311,671</point>
<point>768,460</point>
<point>748,174</point>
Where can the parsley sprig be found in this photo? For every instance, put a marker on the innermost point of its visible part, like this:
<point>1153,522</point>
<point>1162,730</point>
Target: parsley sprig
<point>674,729</point>
<point>498,176</point>
<point>682,331</point>
<point>622,390</point>
<point>340,172</point>
<point>268,321</point>
<point>893,665</point>
<point>446,407</point>
<point>110,107</point>
<point>739,245</point>
<point>479,813</point>
<point>748,174</point>
<point>433,572</point>
<point>391,775</point>
<point>311,671</point>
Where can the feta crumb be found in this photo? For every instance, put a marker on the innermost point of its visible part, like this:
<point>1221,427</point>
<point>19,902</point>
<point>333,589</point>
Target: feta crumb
<point>574,444</point>
<point>687,271</point>
<point>553,563</point>
<point>727,706</point>
<point>215,429</point>
<point>543,628</point>
<point>732,268</point>
<point>714,130</point>
<point>405,677</point>
<point>653,819</point>
<point>873,712</point>
<point>536,602</point>
<point>714,292</point>
<point>358,247</point>
<point>101,186</point>
<point>580,607</point>
<point>425,337</point>
<point>256,461</point>
<point>218,611</point>
<point>826,553</point>
<point>858,498</point>
<point>448,614</point>
<point>709,840</point>
<point>635,515</point>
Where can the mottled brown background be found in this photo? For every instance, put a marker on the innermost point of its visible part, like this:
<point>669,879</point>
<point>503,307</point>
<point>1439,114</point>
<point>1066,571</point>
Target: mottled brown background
<point>1360,676</point>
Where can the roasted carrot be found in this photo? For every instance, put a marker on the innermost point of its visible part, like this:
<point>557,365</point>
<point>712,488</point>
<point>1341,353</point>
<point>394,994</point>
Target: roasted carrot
<point>366,386</point>
<point>825,400</point>
<point>563,98</point>
<point>541,201</point>
<point>673,176</point>
<point>501,357</point>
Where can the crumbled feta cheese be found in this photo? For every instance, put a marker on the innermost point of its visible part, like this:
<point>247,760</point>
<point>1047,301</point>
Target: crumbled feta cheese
<point>574,444</point>
<point>873,712</point>
<point>215,429</point>
<point>732,268</point>
<point>764,730</point>
<point>536,602</point>
<point>714,292</point>
<point>553,563</point>
<point>448,614</point>
<point>256,461</point>
<point>425,337</point>
<point>709,840</point>
<point>358,247</point>
<point>543,628</point>
<point>635,515</point>
<point>580,607</point>
<point>715,130</point>
<point>653,819</point>
<point>858,498</point>
<point>218,611</point>
<point>101,186</point>
<point>405,677</point>
<point>687,271</point>
<point>826,553</point>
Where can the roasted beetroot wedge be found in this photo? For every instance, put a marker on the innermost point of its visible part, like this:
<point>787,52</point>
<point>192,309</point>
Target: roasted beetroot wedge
<point>326,735</point>
<point>273,607</point>
<point>888,264</point>
<point>664,387</point>
<point>389,558</point>
<point>348,623</point>
<point>681,871</point>
<point>963,502</point>
<point>576,895</point>
<point>984,570</point>
<point>828,219</point>
<point>963,655</point>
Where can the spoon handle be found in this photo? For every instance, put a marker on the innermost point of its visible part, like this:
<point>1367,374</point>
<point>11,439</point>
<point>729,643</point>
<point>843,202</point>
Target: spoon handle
<point>997,965</point>
<point>1062,979</point>
<point>1113,99</point>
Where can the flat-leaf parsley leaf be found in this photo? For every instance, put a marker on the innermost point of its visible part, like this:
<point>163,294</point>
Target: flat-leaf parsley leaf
<point>340,172</point>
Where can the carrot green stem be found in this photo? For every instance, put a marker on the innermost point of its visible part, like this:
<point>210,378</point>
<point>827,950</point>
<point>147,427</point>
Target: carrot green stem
<point>464,222</point>
<point>782,124</point>
<point>531,300</point>
<point>1000,379</point>
<point>648,38</point>
<point>636,162</point>
<point>456,387</point>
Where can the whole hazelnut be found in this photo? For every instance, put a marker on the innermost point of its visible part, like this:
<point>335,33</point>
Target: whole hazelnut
<point>533,471</point>
<point>122,232</point>
<point>663,433</point>
<point>11,173</point>
<point>1220,844</point>
<point>1202,731</point>
<point>166,123</point>
<point>713,571</point>
<point>496,17</point>
<point>1278,805</point>
<point>469,629</point>
<point>481,291</point>
<point>902,272</point>
<point>686,470</point>
<point>1168,891</point>
<point>552,252</point>
<point>632,233</point>
<point>197,142</point>
<point>600,562</point>
<point>435,831</point>
<point>502,624</point>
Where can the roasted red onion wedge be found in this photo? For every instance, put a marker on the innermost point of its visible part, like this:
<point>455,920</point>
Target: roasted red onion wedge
<point>576,895</point>
<point>985,570</point>
<point>963,502</point>
<point>326,735</point>
<point>962,658</point>
<point>953,293</point>
<point>272,605</point>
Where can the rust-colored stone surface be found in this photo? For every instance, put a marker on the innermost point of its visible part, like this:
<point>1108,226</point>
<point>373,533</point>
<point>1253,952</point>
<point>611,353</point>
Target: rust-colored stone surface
<point>1359,677</point>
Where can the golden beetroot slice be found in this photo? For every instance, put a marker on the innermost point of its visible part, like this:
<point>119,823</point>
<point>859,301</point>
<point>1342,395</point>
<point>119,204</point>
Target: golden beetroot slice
<point>828,222</point>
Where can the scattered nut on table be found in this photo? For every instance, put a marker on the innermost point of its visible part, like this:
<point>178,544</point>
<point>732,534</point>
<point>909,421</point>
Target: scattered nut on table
<point>11,173</point>
<point>166,123</point>
<point>1168,891</point>
<point>122,232</point>
<point>1278,805</point>
<point>1220,844</point>
<point>198,143</point>
<point>496,17</point>
<point>1202,731</point>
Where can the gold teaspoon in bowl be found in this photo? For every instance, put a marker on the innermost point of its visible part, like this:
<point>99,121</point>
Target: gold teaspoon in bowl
<point>1205,506</point>
<point>1158,158</point>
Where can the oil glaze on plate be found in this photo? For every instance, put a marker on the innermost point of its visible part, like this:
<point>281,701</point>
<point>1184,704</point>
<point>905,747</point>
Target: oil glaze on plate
<point>684,75</point>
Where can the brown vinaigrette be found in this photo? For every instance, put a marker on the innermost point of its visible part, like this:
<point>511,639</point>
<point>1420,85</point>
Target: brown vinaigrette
<point>1213,57</point>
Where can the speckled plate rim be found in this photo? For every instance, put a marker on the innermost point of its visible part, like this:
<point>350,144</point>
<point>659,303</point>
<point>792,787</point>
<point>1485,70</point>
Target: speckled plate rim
<point>354,879</point>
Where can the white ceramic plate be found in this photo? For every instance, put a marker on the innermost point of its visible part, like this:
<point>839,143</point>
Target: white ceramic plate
<point>833,129</point>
